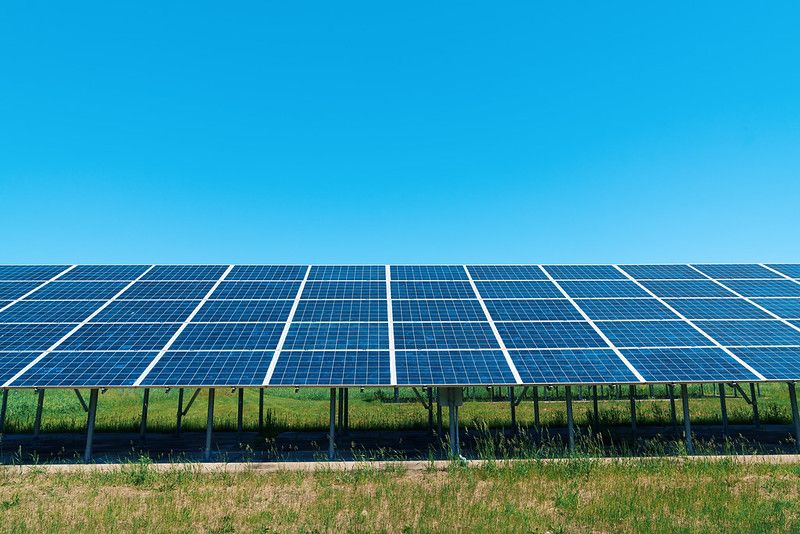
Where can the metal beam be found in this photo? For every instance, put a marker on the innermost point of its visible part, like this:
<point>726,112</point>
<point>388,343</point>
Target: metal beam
<point>346,410</point>
<point>240,412</point>
<point>191,401</point>
<point>80,399</point>
<point>723,407</point>
<point>332,430</point>
<point>687,424</point>
<point>595,409</point>
<point>795,415</point>
<point>513,408</point>
<point>536,407</point>
<point>179,415</point>
<point>37,422</point>
<point>570,422</point>
<point>209,423</point>
<point>756,419</point>
<point>3,407</point>
<point>430,410</point>
<point>92,409</point>
<point>672,411</point>
<point>439,414</point>
<point>145,405</point>
<point>632,395</point>
<point>260,409</point>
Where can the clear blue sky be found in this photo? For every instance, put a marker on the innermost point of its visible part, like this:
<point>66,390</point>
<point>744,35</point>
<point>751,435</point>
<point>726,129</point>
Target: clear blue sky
<point>363,132</point>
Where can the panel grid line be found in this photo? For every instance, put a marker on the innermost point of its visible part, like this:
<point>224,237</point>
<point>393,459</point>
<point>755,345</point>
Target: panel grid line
<point>181,328</point>
<point>390,320</point>
<point>80,325</point>
<point>778,273</point>
<point>37,288</point>
<point>693,325</point>
<point>282,340</point>
<point>496,333</point>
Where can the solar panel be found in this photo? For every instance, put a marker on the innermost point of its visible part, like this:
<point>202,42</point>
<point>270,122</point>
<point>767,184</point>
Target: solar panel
<point>586,272</point>
<point>452,367</point>
<point>120,273</point>
<point>344,290</point>
<point>775,363</point>
<point>432,290</point>
<point>550,335</point>
<point>86,369</point>
<point>128,336</point>
<point>210,368</point>
<point>653,334</point>
<point>785,308</point>
<point>532,310</point>
<point>732,333</point>
<point>347,272</point>
<point>77,291</point>
<point>340,311</point>
<point>167,290</point>
<point>14,290</point>
<point>437,310</point>
<point>620,289</point>
<point>12,362</point>
<point>587,366</point>
<point>683,288</point>
<point>444,336</point>
<point>246,311</point>
<point>337,336</point>
<point>625,309</point>
<point>687,365</point>
<point>38,273</point>
<point>186,272</point>
<point>518,290</point>
<point>792,270</point>
<point>717,309</point>
<point>764,288</point>
<point>144,311</point>
<point>268,272</point>
<point>746,270</point>
<point>229,336</point>
<point>662,272</point>
<point>255,290</point>
<point>506,272</point>
<point>428,272</point>
<point>46,311</point>
<point>31,337</point>
<point>332,368</point>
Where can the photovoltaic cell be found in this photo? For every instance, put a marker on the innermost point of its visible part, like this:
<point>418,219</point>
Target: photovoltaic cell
<point>256,290</point>
<point>773,363</point>
<point>14,290</point>
<point>109,273</point>
<point>86,369</point>
<point>661,272</point>
<point>256,311</point>
<point>444,336</point>
<point>550,335</point>
<point>337,336</point>
<point>532,310</point>
<point>347,272</point>
<point>518,290</point>
<point>784,308</point>
<point>625,309</point>
<point>717,309</point>
<point>228,336</point>
<point>39,273</point>
<point>452,367</point>
<point>77,291</point>
<point>687,365</point>
<point>620,289</point>
<point>344,290</point>
<point>209,273</point>
<point>267,272</point>
<point>587,366</point>
<point>12,362</point>
<point>587,272</point>
<point>428,272</point>
<point>684,288</point>
<point>653,334</point>
<point>167,290</point>
<point>432,290</point>
<point>764,288</point>
<point>437,310</point>
<point>770,332</point>
<point>211,368</point>
<point>741,270</point>
<point>44,311</point>
<point>145,311</point>
<point>332,368</point>
<point>31,337</point>
<point>506,272</point>
<point>119,337</point>
<point>792,270</point>
<point>341,311</point>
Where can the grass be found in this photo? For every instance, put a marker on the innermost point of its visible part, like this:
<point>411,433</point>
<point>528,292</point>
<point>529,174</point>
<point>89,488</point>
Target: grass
<point>578,495</point>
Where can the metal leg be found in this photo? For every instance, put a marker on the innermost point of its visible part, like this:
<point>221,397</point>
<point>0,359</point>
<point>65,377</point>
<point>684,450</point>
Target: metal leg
<point>439,415</point>
<point>87,453</point>
<point>723,408</point>
<point>536,407</point>
<point>179,415</point>
<point>652,391</point>
<point>261,409</point>
<point>595,408</point>
<point>451,411</point>
<point>687,425</point>
<point>756,419</point>
<point>396,394</point>
<point>3,407</point>
<point>513,408</point>
<point>458,433</point>
<point>346,410</point>
<point>240,412</point>
<point>570,422</point>
<point>341,411</point>
<point>37,423</point>
<point>673,414</point>
<point>430,410</point>
<point>795,416</point>
<point>332,430</point>
<point>632,394</point>
<point>143,424</point>
<point>209,423</point>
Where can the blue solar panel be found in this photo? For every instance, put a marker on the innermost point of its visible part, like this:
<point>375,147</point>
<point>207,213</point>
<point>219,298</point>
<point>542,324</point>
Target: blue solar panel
<point>345,290</point>
<point>31,337</point>
<point>587,366</point>
<point>518,290</point>
<point>661,272</point>
<point>687,365</point>
<point>653,334</point>
<point>210,368</point>
<point>107,273</point>
<point>452,367</point>
<point>792,270</point>
<point>86,369</point>
<point>255,311</point>
<point>625,309</point>
<point>186,272</point>
<point>506,272</point>
<point>347,272</point>
<point>340,310</point>
<point>437,310</point>
<point>550,335</point>
<point>12,362</point>
<point>774,363</point>
<point>785,308</point>
<point>337,336</point>
<point>432,290</point>
<point>332,368</point>
<point>586,272</point>
<point>532,310</point>
<point>267,272</point>
<point>43,311</point>
<point>428,272</point>
<point>120,337</point>
<point>621,289</point>
<point>764,288</point>
<point>30,272</point>
<point>229,336</point>
<point>145,311</point>
<point>770,332</point>
<point>741,270</point>
<point>687,288</point>
<point>167,290</point>
<point>14,290</point>
<point>78,291</point>
<point>256,290</point>
<point>717,309</point>
<point>444,336</point>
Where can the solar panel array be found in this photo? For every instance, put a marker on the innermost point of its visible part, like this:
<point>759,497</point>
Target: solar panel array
<point>371,325</point>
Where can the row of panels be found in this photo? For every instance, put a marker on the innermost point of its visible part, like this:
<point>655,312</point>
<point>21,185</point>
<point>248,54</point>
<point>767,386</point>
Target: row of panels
<point>396,272</point>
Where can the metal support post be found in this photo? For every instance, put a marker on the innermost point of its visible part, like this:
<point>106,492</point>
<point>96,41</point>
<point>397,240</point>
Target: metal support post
<point>513,408</point>
<point>536,407</point>
<point>570,422</point>
<point>240,412</point>
<point>430,410</point>
<point>179,415</point>
<point>341,412</point>
<point>756,419</point>
<point>723,408</point>
<point>143,423</point>
<point>396,394</point>
<point>37,423</point>
<point>439,414</point>
<point>209,423</point>
<point>87,453</point>
<point>652,391</point>
<point>673,413</point>
<point>795,416</point>
<point>3,407</point>
<point>260,409</point>
<point>332,429</point>
<point>346,410</point>
<point>632,394</point>
<point>687,424</point>
<point>595,408</point>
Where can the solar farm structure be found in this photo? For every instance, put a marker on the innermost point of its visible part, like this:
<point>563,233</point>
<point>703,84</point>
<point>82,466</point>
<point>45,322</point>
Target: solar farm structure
<point>437,327</point>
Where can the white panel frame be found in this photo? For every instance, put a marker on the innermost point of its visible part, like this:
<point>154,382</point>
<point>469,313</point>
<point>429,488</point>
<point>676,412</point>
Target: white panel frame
<point>37,288</point>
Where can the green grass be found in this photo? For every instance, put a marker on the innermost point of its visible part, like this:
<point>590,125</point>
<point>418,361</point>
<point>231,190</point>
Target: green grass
<point>573,496</point>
